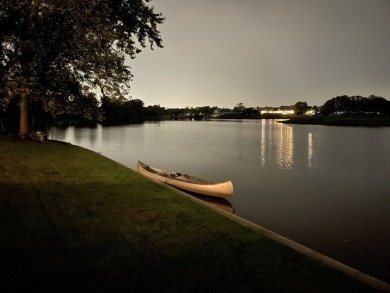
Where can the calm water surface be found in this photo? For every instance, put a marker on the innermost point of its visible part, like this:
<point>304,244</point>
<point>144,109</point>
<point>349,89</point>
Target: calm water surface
<point>327,188</point>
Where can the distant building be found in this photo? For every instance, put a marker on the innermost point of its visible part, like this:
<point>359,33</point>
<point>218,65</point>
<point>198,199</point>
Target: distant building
<point>282,110</point>
<point>215,113</point>
<point>218,113</point>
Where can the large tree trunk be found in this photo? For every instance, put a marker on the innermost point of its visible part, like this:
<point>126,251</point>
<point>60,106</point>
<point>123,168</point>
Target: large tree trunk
<point>23,126</point>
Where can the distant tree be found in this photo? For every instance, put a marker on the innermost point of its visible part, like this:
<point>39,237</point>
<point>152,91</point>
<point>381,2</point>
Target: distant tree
<point>175,111</point>
<point>154,111</point>
<point>239,107</point>
<point>356,105</point>
<point>118,111</point>
<point>113,110</point>
<point>223,110</point>
<point>329,107</point>
<point>191,110</point>
<point>63,54</point>
<point>206,110</point>
<point>250,113</point>
<point>135,108</point>
<point>316,110</point>
<point>300,108</point>
<point>377,105</point>
<point>343,104</point>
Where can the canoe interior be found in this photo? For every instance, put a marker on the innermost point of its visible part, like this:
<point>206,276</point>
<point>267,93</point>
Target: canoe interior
<point>176,176</point>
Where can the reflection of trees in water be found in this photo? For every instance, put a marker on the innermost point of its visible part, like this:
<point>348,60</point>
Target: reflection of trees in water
<point>90,137</point>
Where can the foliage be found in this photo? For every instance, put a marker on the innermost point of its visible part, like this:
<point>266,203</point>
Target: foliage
<point>316,110</point>
<point>300,108</point>
<point>154,111</point>
<point>118,111</point>
<point>202,110</point>
<point>239,107</point>
<point>250,113</point>
<point>67,53</point>
<point>206,110</point>
<point>356,105</point>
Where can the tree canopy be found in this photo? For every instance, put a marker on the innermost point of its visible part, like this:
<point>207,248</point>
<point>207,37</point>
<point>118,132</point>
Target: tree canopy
<point>300,108</point>
<point>356,105</point>
<point>65,54</point>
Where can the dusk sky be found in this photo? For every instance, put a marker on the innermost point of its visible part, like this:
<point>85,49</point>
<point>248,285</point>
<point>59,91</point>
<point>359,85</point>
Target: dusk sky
<point>265,53</point>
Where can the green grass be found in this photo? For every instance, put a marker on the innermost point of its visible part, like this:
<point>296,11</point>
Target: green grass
<point>72,220</point>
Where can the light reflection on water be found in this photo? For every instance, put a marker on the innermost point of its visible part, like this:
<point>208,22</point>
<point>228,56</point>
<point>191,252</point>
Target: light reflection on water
<point>285,147</point>
<point>277,143</point>
<point>310,151</point>
<point>323,187</point>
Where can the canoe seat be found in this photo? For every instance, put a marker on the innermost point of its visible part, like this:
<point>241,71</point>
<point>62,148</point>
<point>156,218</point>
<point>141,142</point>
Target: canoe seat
<point>171,174</point>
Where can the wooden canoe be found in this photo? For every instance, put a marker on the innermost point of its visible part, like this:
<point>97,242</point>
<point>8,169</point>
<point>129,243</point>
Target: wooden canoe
<point>187,182</point>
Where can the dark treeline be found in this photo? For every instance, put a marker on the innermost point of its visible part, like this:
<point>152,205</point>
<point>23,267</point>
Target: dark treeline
<point>123,111</point>
<point>356,105</point>
<point>346,105</point>
<point>129,111</point>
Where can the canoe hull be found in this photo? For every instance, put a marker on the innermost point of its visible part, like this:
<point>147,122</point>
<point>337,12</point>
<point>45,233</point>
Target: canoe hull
<point>187,182</point>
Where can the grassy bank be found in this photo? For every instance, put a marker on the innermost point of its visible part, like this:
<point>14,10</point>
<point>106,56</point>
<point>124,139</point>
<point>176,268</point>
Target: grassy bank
<point>375,121</point>
<point>72,220</point>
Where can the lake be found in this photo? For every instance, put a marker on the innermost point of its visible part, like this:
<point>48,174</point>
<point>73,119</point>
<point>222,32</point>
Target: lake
<point>324,187</point>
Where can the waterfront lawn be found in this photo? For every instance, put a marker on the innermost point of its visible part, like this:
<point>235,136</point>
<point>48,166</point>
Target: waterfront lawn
<point>72,220</point>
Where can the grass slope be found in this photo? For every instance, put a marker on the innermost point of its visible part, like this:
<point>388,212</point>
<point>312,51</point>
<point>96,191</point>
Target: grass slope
<point>73,220</point>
